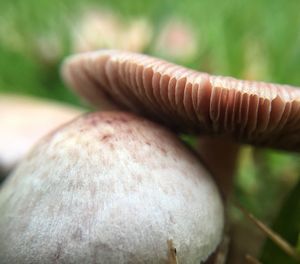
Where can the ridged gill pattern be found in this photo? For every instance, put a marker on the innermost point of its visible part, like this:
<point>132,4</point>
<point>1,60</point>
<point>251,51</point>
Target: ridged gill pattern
<point>259,113</point>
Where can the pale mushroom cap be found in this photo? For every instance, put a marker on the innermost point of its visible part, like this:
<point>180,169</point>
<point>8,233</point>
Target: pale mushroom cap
<point>259,113</point>
<point>24,120</point>
<point>109,188</point>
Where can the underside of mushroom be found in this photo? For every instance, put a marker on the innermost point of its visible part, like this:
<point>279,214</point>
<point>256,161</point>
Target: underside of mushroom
<point>259,113</point>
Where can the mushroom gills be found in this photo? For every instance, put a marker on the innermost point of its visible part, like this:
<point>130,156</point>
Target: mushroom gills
<point>258,113</point>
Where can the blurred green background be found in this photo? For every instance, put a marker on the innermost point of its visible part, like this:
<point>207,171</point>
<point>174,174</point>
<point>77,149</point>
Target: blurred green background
<point>257,40</point>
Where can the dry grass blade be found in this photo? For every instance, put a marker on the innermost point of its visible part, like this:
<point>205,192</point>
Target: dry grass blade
<point>172,255</point>
<point>277,239</point>
<point>252,260</point>
<point>222,253</point>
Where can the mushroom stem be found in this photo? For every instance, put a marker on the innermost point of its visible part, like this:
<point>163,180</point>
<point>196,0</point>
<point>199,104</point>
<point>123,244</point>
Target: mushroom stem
<point>220,155</point>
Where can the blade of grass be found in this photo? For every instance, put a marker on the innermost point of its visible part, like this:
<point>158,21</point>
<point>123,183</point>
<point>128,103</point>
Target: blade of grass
<point>252,260</point>
<point>276,238</point>
<point>287,223</point>
<point>298,244</point>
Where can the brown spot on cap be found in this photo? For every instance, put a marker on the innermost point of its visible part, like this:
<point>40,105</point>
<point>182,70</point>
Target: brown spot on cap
<point>259,113</point>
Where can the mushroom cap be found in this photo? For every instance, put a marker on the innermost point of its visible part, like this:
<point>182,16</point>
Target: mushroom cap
<point>259,113</point>
<point>109,187</point>
<point>24,120</point>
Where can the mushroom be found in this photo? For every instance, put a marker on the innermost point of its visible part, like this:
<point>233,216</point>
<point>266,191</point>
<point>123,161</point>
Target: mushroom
<point>257,113</point>
<point>109,187</point>
<point>24,120</point>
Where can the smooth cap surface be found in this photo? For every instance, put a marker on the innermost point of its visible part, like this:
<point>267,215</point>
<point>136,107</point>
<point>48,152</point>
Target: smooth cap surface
<point>109,188</point>
<point>259,113</point>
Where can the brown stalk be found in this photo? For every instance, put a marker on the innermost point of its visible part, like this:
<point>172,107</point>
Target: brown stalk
<point>276,238</point>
